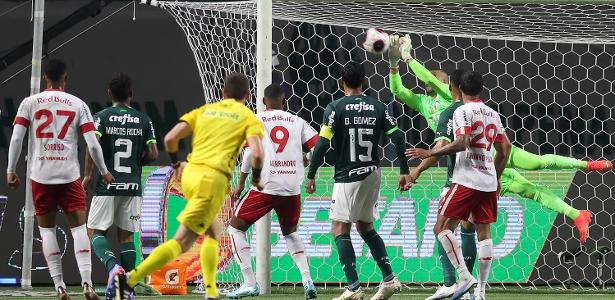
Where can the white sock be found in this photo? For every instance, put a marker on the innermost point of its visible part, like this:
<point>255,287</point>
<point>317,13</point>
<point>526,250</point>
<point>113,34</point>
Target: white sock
<point>53,255</point>
<point>241,252</point>
<point>485,253</point>
<point>83,254</point>
<point>453,251</point>
<point>296,248</point>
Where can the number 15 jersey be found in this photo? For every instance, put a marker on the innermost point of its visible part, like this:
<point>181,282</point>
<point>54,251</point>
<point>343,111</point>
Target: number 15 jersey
<point>474,167</point>
<point>54,118</point>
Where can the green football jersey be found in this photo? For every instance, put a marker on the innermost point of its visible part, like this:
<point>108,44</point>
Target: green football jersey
<point>124,134</point>
<point>445,132</point>
<point>357,123</point>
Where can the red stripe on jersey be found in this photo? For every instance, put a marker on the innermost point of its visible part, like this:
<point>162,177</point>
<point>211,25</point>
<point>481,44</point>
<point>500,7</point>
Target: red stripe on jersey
<point>463,130</point>
<point>87,127</point>
<point>499,138</point>
<point>312,142</point>
<point>21,121</point>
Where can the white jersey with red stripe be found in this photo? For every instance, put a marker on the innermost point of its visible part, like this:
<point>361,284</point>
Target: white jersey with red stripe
<point>474,167</point>
<point>284,141</point>
<point>54,118</point>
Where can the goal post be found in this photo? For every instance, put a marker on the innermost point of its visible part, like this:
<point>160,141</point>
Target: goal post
<point>548,69</point>
<point>35,86</point>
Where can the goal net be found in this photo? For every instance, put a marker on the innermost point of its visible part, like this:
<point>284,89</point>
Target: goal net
<point>548,70</point>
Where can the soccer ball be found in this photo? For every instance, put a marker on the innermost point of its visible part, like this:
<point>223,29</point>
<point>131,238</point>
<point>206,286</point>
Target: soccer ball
<point>376,41</point>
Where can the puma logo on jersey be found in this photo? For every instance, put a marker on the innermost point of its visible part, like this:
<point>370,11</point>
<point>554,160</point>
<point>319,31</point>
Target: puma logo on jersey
<point>123,119</point>
<point>359,106</point>
<point>122,186</point>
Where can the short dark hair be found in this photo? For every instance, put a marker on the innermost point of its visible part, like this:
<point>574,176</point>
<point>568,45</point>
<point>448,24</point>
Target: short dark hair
<point>236,86</point>
<point>55,69</point>
<point>455,77</point>
<point>121,87</point>
<point>274,91</point>
<point>471,83</point>
<point>353,74</point>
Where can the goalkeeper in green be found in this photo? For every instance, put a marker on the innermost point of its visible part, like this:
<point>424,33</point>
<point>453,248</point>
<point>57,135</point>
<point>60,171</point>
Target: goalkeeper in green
<point>437,100</point>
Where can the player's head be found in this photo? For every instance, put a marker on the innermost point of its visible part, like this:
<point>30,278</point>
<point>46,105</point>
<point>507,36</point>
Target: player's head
<point>455,80</point>
<point>441,76</point>
<point>353,76</point>
<point>55,74</point>
<point>120,88</point>
<point>236,86</point>
<point>274,97</point>
<point>471,83</point>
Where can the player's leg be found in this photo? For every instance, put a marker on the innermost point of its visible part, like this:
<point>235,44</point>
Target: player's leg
<point>45,206</point>
<point>455,206</point>
<point>525,160</point>
<point>513,182</point>
<point>205,190</point>
<point>73,204</point>
<point>288,209</point>
<point>468,244</point>
<point>448,271</point>
<point>100,219</point>
<point>248,210</point>
<point>209,257</point>
<point>483,215</point>
<point>341,204</point>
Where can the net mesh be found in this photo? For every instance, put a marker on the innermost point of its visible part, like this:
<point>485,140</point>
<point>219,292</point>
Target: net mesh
<point>548,70</point>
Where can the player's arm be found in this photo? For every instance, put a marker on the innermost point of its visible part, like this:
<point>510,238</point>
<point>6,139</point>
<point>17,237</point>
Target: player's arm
<point>320,149</point>
<point>88,169</point>
<point>502,150</point>
<point>257,158</point>
<point>19,133</point>
<point>88,130</point>
<point>421,72</point>
<point>151,147</point>
<point>443,137</point>
<point>463,131</point>
<point>426,163</point>
<point>389,125</point>
<point>180,131</point>
<point>246,167</point>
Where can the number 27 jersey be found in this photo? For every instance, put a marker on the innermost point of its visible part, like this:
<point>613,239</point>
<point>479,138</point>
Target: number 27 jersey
<point>55,118</point>
<point>474,167</point>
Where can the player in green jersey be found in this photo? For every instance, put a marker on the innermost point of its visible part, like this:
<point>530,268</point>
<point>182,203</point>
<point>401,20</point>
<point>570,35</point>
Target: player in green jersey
<point>512,181</point>
<point>127,138</point>
<point>353,126</point>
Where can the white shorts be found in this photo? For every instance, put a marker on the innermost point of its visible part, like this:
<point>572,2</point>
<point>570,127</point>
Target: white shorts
<point>356,201</point>
<point>123,211</point>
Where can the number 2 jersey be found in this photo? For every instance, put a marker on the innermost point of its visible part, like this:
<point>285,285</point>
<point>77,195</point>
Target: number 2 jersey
<point>354,124</point>
<point>55,118</point>
<point>124,134</point>
<point>283,144</point>
<point>474,167</point>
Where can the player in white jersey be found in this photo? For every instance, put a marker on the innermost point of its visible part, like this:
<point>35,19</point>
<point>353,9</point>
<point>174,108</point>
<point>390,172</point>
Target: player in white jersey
<point>476,181</point>
<point>56,117</point>
<point>281,179</point>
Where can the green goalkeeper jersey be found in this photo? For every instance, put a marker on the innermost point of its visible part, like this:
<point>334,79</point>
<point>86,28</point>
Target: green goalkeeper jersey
<point>430,108</point>
<point>124,134</point>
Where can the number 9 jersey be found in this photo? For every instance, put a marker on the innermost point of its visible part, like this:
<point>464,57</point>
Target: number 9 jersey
<point>54,118</point>
<point>124,134</point>
<point>474,167</point>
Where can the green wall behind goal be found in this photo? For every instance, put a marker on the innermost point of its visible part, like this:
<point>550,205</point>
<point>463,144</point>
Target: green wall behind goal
<point>405,224</point>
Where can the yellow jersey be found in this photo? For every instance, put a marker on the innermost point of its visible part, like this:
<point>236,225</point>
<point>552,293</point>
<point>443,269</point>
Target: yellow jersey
<point>219,132</point>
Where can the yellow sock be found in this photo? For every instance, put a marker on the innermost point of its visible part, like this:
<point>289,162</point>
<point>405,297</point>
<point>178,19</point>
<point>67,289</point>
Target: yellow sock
<point>209,265</point>
<point>161,256</point>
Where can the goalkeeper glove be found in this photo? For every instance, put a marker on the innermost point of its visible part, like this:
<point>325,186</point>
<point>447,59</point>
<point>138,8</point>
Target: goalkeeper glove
<point>394,54</point>
<point>406,49</point>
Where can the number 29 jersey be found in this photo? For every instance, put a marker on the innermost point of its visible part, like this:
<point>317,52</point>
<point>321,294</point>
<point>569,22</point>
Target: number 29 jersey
<point>55,118</point>
<point>474,167</point>
<point>354,124</point>
<point>124,134</point>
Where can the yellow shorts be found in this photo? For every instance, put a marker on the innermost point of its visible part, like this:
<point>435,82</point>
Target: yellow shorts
<point>205,190</point>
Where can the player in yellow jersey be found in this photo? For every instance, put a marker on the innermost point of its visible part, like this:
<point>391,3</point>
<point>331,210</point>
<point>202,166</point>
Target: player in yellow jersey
<point>219,131</point>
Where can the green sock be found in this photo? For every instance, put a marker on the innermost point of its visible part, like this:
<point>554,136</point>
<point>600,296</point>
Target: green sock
<point>379,253</point>
<point>468,247</point>
<point>447,267</point>
<point>128,256</point>
<point>103,251</point>
<point>348,260</point>
<point>524,160</point>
